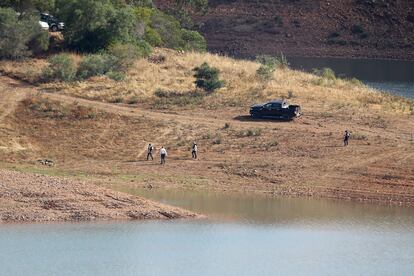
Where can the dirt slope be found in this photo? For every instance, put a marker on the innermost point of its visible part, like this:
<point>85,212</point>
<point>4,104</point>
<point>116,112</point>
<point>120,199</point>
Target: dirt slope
<point>348,28</point>
<point>300,158</point>
<point>36,198</point>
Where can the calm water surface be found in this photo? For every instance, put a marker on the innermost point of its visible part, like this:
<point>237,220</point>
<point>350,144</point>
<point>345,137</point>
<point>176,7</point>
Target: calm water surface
<point>244,235</point>
<point>391,76</point>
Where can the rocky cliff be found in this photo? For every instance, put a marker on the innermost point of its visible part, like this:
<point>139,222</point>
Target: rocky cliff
<point>346,28</point>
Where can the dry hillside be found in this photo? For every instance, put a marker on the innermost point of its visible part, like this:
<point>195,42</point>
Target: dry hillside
<point>99,129</point>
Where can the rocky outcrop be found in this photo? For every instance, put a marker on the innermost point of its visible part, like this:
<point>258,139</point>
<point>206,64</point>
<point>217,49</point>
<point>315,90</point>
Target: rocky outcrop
<point>349,28</point>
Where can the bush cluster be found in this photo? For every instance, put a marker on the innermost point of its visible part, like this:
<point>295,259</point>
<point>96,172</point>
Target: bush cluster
<point>92,26</point>
<point>112,63</point>
<point>269,64</point>
<point>164,30</point>
<point>20,36</point>
<point>97,24</point>
<point>207,78</point>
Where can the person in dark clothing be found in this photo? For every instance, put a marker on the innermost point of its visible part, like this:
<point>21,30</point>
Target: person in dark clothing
<point>346,138</point>
<point>149,152</point>
<point>194,151</point>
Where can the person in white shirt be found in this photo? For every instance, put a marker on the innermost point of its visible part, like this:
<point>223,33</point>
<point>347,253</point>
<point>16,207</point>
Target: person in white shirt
<point>163,154</point>
<point>194,150</point>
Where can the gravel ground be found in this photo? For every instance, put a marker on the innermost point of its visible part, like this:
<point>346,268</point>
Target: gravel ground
<point>36,198</point>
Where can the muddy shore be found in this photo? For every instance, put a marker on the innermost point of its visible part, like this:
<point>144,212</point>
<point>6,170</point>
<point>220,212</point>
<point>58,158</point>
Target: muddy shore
<point>35,198</point>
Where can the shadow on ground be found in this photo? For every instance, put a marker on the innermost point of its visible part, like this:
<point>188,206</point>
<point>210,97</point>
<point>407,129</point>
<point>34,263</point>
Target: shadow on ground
<point>247,118</point>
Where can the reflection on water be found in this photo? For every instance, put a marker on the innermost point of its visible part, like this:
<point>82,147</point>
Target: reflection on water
<point>261,209</point>
<point>246,236</point>
<point>387,75</point>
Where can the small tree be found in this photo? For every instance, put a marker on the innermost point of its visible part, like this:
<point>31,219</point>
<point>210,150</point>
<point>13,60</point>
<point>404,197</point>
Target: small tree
<point>207,78</point>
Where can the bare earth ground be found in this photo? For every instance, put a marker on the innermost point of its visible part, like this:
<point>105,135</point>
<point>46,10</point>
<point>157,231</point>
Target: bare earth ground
<point>300,158</point>
<point>36,198</point>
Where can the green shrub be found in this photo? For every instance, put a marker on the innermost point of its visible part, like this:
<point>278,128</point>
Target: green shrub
<point>168,28</point>
<point>39,43</point>
<point>267,60</point>
<point>94,65</point>
<point>144,14</point>
<point>207,78</point>
<point>115,75</point>
<point>61,67</point>
<point>325,73</point>
<point>152,37</point>
<point>124,55</point>
<point>193,41</point>
<point>141,3</point>
<point>144,48</point>
<point>265,72</point>
<point>93,25</point>
<point>20,37</point>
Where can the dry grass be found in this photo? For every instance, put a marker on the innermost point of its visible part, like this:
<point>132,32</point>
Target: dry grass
<point>302,157</point>
<point>43,107</point>
<point>242,87</point>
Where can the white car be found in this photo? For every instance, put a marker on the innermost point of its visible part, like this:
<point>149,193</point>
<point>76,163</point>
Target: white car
<point>44,25</point>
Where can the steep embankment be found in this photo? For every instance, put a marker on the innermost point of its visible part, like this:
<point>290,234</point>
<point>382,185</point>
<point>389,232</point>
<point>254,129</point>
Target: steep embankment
<point>99,129</point>
<point>349,28</point>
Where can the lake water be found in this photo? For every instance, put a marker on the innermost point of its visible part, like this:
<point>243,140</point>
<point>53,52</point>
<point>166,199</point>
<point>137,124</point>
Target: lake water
<point>245,235</point>
<point>392,76</point>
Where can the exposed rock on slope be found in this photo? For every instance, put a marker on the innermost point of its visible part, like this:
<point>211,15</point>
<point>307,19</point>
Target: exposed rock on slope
<point>349,28</point>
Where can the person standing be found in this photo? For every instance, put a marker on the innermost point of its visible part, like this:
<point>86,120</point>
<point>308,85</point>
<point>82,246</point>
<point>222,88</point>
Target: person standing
<point>194,150</point>
<point>163,154</point>
<point>149,152</point>
<point>346,138</point>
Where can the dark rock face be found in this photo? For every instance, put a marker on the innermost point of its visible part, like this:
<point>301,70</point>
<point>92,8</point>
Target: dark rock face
<point>363,28</point>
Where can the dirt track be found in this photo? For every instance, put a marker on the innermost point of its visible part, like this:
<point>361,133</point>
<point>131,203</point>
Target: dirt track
<point>300,158</point>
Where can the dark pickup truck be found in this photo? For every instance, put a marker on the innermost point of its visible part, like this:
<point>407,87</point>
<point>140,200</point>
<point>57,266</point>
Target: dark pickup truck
<point>278,109</point>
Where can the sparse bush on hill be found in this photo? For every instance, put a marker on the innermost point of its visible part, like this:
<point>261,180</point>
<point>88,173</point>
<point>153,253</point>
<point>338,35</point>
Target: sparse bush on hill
<point>207,78</point>
<point>265,72</point>
<point>113,63</point>
<point>193,41</point>
<point>267,68</point>
<point>116,75</point>
<point>94,65</point>
<point>249,133</point>
<point>269,64</point>
<point>62,67</point>
<point>124,55</point>
<point>56,110</point>
<point>326,76</point>
<point>168,98</point>
<point>20,36</point>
